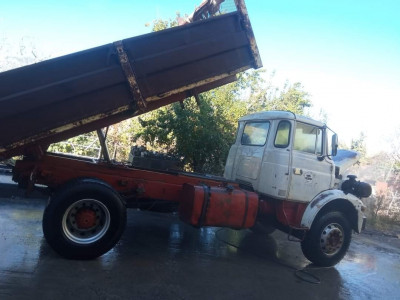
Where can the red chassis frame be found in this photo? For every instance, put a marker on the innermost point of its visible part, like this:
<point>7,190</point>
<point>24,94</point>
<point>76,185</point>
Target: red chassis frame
<point>54,170</point>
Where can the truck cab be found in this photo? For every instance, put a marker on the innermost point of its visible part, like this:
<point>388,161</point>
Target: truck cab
<point>289,161</point>
<point>283,155</point>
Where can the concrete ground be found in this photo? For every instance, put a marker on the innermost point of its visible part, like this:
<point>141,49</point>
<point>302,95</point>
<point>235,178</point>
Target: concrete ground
<point>160,257</point>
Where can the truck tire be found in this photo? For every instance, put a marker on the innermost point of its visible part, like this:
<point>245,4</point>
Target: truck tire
<point>84,219</point>
<point>328,239</point>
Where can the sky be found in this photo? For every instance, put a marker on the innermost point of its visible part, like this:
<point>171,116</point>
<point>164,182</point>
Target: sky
<point>345,53</point>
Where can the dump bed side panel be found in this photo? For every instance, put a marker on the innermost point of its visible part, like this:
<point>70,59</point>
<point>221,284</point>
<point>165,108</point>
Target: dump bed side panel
<point>70,95</point>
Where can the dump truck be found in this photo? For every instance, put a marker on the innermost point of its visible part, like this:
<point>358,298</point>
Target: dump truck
<point>280,172</point>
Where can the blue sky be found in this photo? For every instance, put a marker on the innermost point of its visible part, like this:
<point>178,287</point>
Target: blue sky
<point>346,53</point>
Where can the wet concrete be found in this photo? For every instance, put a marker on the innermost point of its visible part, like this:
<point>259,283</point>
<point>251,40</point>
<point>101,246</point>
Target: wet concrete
<point>159,257</point>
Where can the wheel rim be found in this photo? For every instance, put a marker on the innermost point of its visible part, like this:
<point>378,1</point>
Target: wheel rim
<point>332,239</point>
<point>86,221</point>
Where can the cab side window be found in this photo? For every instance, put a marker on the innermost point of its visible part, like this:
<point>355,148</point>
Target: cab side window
<point>255,133</point>
<point>308,138</point>
<point>282,138</point>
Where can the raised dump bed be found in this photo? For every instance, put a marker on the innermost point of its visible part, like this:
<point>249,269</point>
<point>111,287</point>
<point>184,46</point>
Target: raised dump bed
<point>62,97</point>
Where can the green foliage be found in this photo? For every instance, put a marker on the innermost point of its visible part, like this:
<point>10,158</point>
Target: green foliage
<point>202,134</point>
<point>84,145</point>
<point>119,141</point>
<point>160,24</point>
<point>293,98</point>
<point>264,96</point>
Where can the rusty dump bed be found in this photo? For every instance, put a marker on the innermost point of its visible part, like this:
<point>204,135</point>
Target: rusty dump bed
<point>66,96</point>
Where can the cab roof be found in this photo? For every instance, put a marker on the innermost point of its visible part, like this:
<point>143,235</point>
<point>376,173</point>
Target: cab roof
<point>278,114</point>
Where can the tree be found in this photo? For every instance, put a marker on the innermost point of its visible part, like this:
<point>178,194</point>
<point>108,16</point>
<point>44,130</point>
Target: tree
<point>293,98</point>
<point>382,171</point>
<point>263,95</point>
<point>358,145</point>
<point>202,133</point>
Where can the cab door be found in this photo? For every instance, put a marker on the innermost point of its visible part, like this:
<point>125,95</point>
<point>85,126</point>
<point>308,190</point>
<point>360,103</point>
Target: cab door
<point>275,170</point>
<point>312,172</point>
<point>250,153</point>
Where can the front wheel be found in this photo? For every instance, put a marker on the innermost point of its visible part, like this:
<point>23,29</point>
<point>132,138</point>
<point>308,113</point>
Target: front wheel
<point>328,239</point>
<point>84,219</point>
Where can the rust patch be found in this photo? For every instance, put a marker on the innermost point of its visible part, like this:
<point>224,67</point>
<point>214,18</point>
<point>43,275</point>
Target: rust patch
<point>130,76</point>
<point>241,6</point>
<point>198,84</point>
<point>63,128</point>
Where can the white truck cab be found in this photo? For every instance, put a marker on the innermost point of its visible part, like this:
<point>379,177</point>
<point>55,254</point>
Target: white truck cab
<point>283,155</point>
<point>288,160</point>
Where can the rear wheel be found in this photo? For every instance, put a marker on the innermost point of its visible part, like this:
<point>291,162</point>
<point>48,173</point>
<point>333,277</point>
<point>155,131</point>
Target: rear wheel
<point>84,219</point>
<point>328,239</point>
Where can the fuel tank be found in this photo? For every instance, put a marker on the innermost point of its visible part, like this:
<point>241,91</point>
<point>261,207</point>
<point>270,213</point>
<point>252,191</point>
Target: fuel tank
<point>202,205</point>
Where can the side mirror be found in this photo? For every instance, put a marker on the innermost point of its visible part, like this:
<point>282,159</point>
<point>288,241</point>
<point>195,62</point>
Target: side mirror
<point>335,144</point>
